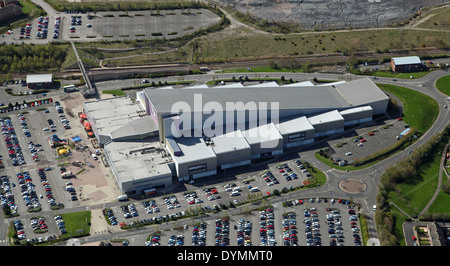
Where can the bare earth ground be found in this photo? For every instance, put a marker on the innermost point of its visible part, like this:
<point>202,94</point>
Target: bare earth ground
<point>323,14</point>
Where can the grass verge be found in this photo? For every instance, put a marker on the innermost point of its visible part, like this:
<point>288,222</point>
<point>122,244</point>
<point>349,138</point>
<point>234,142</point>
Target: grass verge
<point>419,110</point>
<point>443,85</point>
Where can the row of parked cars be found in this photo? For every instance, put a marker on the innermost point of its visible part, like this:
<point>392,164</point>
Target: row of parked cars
<point>38,224</point>
<point>48,189</point>
<point>56,30</point>
<point>150,206</point>
<point>129,211</point>
<point>192,198</point>
<point>12,142</point>
<point>172,202</point>
<point>111,217</point>
<point>24,106</point>
<point>222,235</point>
<point>61,224</point>
<point>154,240</point>
<point>71,190</point>
<point>244,233</point>
<point>312,227</point>
<point>267,227</point>
<point>42,27</point>
<point>290,237</point>
<point>23,123</point>
<point>19,229</point>
<point>6,195</point>
<point>269,178</point>
<point>199,235</point>
<point>28,190</point>
<point>176,241</point>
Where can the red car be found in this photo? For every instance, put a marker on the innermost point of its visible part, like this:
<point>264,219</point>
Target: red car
<point>400,119</point>
<point>371,134</point>
<point>362,140</point>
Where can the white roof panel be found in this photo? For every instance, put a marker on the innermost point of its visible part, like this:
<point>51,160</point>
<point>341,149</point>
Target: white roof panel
<point>39,78</point>
<point>300,84</point>
<point>406,60</point>
<point>325,118</point>
<point>298,124</point>
<point>229,142</point>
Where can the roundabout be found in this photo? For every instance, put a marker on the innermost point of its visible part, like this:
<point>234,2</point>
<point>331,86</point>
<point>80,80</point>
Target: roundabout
<point>352,186</point>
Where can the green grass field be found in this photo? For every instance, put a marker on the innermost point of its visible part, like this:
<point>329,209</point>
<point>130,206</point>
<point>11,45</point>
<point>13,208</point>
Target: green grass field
<point>240,44</point>
<point>412,196</point>
<point>245,44</point>
<point>76,221</point>
<point>443,85</point>
<point>420,111</point>
<point>442,203</point>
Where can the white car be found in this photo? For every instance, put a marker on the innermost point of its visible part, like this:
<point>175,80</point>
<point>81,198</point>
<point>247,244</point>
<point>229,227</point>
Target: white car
<point>348,153</point>
<point>46,129</point>
<point>448,98</point>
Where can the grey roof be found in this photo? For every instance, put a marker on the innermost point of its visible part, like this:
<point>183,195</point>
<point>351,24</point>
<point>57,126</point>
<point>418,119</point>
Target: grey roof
<point>407,60</point>
<point>229,142</point>
<point>138,128</point>
<point>326,118</point>
<point>194,149</point>
<point>356,110</point>
<point>39,78</point>
<point>360,92</point>
<point>131,164</point>
<point>290,98</point>
<point>263,134</point>
<point>112,113</point>
<point>292,125</point>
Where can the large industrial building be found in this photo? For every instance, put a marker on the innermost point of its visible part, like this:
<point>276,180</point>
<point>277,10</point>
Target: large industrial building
<point>164,133</point>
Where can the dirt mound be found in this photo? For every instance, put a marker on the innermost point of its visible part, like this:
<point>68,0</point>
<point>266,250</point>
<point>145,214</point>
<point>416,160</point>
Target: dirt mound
<point>328,14</point>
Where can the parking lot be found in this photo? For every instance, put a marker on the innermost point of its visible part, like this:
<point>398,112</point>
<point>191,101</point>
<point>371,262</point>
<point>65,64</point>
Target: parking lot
<point>246,187</point>
<point>307,222</point>
<point>31,180</point>
<point>112,26</point>
<point>364,141</point>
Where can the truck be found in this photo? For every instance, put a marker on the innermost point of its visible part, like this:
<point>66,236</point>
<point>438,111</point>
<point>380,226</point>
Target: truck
<point>66,174</point>
<point>122,197</point>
